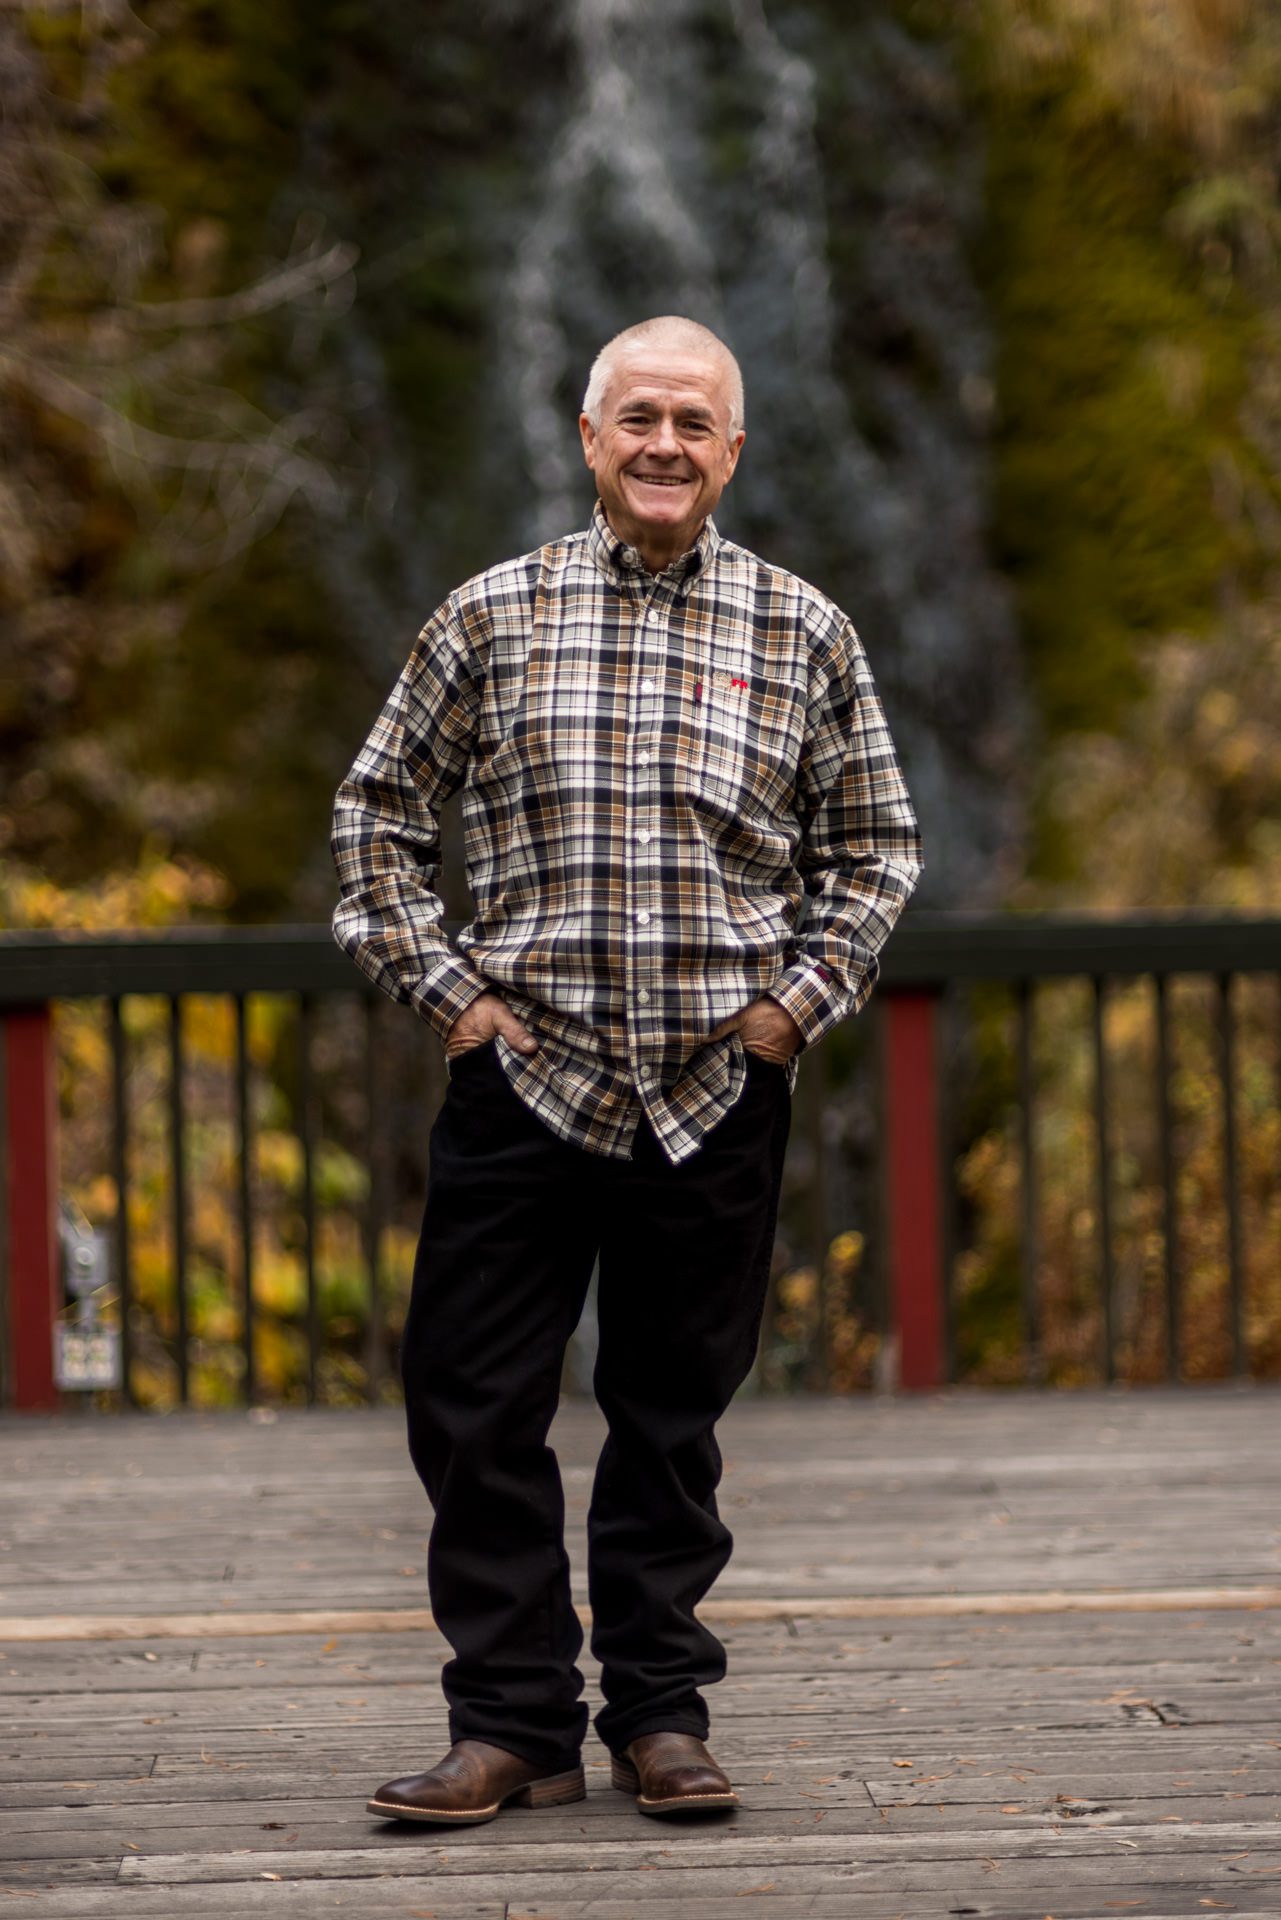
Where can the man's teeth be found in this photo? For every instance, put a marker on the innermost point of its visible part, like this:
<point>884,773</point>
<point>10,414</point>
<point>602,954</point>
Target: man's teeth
<point>659,480</point>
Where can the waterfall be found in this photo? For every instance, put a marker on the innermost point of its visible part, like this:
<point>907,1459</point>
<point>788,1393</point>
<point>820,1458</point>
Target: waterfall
<point>626,136</point>
<point>681,171</point>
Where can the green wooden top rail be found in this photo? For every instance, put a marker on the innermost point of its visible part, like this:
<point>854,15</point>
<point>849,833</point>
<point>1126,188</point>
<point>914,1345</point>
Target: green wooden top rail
<point>928,949</point>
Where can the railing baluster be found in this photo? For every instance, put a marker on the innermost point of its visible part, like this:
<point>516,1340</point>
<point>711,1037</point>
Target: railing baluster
<point>1104,1179</point>
<point>307,1136</point>
<point>1231,1194</point>
<point>1170,1210</point>
<point>120,1173</point>
<point>244,1152</point>
<point>1033,1355</point>
<point>374,1218</point>
<point>178,1189</point>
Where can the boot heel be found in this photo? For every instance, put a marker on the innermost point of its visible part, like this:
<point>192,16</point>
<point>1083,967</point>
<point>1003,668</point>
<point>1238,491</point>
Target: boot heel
<point>553,1792</point>
<point>623,1775</point>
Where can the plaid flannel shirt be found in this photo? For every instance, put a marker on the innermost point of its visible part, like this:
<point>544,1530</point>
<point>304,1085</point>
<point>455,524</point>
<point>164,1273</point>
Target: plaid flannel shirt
<point>679,793</point>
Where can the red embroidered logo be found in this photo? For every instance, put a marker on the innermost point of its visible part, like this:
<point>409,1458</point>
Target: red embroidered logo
<point>722,683</point>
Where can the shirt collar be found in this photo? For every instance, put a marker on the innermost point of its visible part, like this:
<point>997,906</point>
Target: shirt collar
<point>620,563</point>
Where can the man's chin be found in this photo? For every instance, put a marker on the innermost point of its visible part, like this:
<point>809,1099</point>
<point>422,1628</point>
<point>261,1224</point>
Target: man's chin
<point>668,514</point>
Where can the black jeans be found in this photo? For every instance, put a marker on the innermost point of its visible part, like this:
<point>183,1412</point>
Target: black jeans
<point>515,1220</point>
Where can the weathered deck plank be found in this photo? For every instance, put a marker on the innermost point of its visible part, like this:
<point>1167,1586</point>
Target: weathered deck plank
<point>1002,1764</point>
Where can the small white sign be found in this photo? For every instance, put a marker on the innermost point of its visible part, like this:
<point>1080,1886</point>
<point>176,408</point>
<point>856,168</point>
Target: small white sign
<point>86,1359</point>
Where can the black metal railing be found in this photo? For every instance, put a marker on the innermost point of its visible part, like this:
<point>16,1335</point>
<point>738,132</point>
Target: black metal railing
<point>915,1077</point>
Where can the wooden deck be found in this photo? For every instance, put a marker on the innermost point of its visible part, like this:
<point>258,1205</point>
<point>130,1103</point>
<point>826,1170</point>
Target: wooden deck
<point>1012,1655</point>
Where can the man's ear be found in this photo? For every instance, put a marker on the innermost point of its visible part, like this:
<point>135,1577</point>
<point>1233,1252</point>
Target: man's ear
<point>588,433</point>
<point>736,447</point>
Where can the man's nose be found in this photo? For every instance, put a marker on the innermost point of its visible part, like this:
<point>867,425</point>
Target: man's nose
<point>663,439</point>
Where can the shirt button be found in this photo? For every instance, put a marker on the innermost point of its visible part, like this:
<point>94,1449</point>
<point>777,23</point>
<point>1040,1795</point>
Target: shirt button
<point>643,759</point>
<point>643,996</point>
<point>647,686</point>
<point>643,917</point>
<point>644,836</point>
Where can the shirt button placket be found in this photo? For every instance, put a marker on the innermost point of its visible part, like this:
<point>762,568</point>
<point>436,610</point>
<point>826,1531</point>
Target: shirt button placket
<point>640,837</point>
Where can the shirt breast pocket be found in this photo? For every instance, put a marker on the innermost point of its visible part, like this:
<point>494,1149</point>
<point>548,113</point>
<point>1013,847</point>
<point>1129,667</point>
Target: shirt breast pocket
<point>749,740</point>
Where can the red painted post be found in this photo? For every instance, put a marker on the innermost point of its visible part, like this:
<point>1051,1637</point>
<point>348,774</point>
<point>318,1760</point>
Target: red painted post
<point>914,1193</point>
<point>32,1200</point>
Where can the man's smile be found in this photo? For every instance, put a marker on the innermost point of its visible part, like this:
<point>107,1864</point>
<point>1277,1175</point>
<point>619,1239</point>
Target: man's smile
<point>662,479</point>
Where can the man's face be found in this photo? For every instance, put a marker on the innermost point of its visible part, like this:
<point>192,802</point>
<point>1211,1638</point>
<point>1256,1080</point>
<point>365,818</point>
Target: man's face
<point>663,453</point>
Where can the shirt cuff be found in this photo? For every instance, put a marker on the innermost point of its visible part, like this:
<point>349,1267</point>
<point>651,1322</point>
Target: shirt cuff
<point>811,995</point>
<point>447,991</point>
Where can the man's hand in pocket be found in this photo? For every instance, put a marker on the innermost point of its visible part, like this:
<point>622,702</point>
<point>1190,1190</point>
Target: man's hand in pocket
<point>485,1017</point>
<point>766,1029</point>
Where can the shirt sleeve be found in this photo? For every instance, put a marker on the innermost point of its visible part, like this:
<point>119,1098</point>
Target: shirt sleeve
<point>860,851</point>
<point>386,828</point>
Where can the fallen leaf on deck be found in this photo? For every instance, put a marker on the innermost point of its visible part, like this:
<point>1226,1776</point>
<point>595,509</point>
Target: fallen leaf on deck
<point>766,1886</point>
<point>903,1763</point>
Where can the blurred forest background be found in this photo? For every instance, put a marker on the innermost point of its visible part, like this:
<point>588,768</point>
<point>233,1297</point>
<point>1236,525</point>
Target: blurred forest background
<point>298,303</point>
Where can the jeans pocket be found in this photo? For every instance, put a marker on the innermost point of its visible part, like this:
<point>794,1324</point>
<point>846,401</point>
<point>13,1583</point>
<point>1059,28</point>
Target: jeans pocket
<point>454,1061</point>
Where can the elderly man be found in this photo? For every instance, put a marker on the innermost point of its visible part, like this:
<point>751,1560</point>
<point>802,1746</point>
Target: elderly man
<point>687,837</point>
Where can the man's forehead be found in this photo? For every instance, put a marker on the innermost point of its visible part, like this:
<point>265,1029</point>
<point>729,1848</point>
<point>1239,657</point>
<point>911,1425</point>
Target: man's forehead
<point>699,379</point>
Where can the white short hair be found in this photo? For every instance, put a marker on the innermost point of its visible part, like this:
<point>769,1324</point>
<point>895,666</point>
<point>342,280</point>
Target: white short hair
<point>685,333</point>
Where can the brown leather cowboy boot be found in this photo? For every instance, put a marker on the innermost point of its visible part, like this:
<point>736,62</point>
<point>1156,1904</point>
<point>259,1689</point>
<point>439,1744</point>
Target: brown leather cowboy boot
<point>472,1783</point>
<point>671,1773</point>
